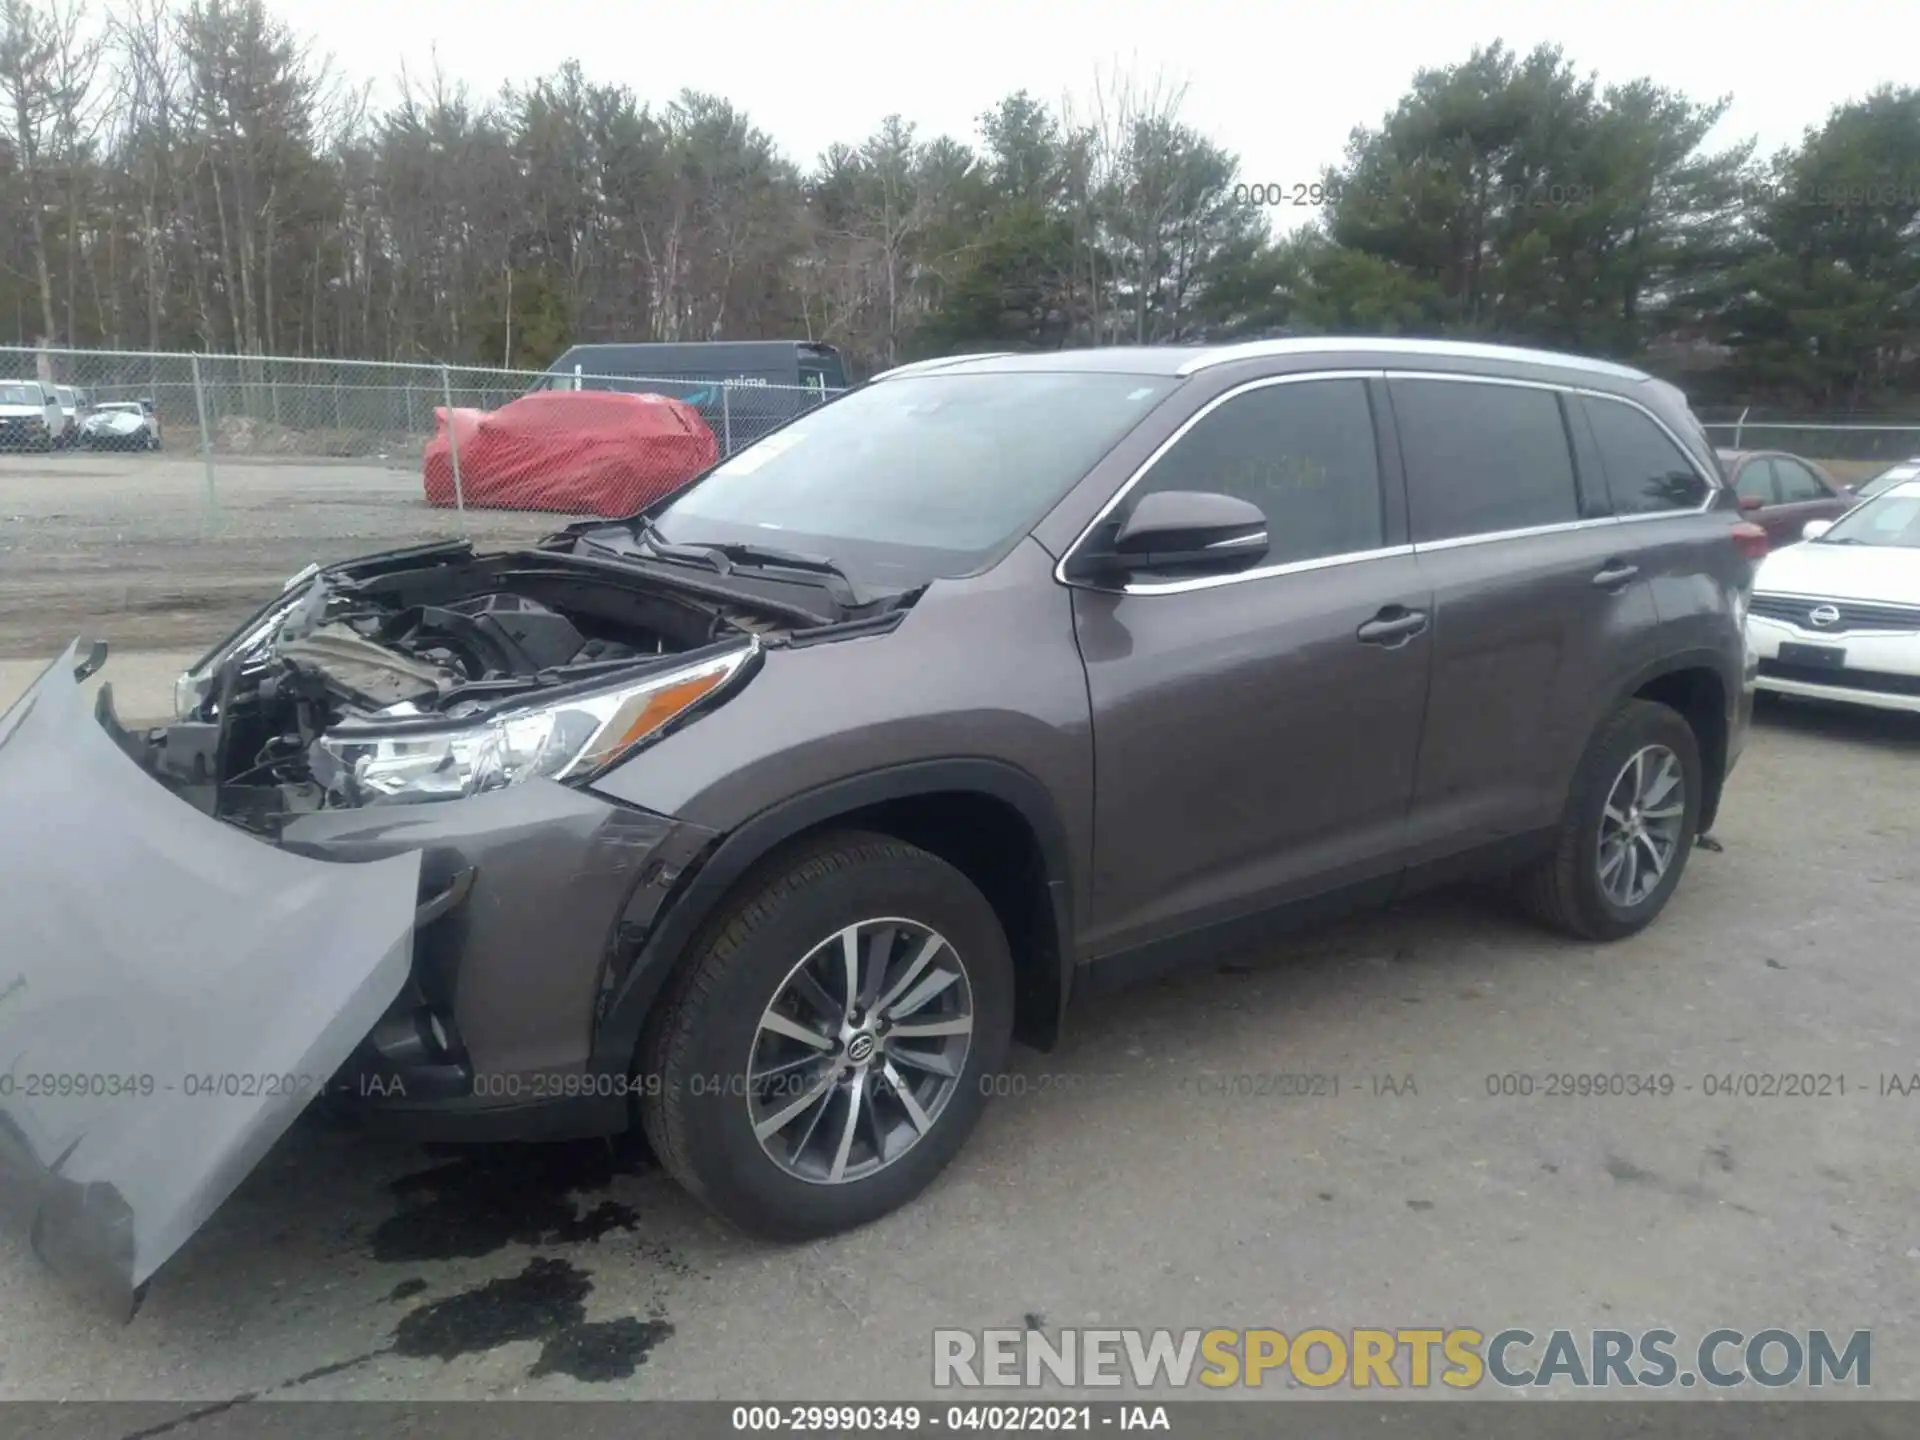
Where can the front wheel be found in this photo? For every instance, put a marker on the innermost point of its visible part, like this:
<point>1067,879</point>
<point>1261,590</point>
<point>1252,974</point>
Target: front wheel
<point>1629,826</point>
<point>829,1047</point>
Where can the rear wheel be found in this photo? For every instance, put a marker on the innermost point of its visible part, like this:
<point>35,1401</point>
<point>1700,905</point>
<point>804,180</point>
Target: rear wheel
<point>1628,829</point>
<point>827,1051</point>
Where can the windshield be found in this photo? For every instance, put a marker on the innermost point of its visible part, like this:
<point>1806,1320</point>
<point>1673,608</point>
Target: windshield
<point>20,395</point>
<point>1887,479</point>
<point>1889,519</point>
<point>918,477</point>
<point>118,407</point>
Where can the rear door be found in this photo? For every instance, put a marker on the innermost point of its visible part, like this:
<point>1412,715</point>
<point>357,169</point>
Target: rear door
<point>1255,733</point>
<point>1534,587</point>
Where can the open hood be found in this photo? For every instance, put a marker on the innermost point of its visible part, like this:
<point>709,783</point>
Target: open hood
<point>172,992</point>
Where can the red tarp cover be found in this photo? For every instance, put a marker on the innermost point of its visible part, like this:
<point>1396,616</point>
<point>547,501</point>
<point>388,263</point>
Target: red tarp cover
<point>584,452</point>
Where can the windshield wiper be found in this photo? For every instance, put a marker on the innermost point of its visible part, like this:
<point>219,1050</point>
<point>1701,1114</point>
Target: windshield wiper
<point>726,555</point>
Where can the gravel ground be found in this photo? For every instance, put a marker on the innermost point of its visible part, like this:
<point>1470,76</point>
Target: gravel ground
<point>1112,1188</point>
<point>127,547</point>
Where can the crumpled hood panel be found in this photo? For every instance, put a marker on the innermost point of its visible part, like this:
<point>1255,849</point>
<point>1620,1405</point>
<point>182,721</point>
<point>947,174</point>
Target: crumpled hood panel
<point>172,993</point>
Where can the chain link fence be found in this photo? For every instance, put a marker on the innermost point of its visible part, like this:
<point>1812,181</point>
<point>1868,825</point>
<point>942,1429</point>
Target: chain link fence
<point>1852,449</point>
<point>161,496</point>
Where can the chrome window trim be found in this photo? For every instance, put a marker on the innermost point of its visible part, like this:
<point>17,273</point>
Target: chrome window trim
<point>1525,532</point>
<point>1207,582</point>
<point>1264,572</point>
<point>1714,483</point>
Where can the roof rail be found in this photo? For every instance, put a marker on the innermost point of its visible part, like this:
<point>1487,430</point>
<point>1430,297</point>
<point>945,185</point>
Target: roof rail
<point>1461,349</point>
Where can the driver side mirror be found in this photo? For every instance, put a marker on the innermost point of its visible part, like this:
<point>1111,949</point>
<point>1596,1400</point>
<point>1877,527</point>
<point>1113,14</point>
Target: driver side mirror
<point>1814,529</point>
<point>1191,530</point>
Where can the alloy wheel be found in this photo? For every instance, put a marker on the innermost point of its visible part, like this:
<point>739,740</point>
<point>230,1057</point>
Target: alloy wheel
<point>1640,825</point>
<point>860,1050</point>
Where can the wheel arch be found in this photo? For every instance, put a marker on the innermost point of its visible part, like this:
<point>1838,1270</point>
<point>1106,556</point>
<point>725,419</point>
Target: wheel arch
<point>994,821</point>
<point>1694,685</point>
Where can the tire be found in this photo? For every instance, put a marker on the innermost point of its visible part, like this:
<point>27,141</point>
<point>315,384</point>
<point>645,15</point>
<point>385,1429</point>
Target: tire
<point>1565,888</point>
<point>695,1060</point>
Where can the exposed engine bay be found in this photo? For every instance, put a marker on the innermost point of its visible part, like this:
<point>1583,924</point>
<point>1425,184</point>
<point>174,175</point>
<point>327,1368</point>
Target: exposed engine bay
<point>382,663</point>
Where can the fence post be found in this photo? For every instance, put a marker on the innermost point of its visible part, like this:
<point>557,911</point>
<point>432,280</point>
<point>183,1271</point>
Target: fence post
<point>453,447</point>
<point>726,416</point>
<point>1737,424</point>
<point>206,435</point>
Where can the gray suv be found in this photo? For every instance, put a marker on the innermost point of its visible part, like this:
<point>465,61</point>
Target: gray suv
<point>770,817</point>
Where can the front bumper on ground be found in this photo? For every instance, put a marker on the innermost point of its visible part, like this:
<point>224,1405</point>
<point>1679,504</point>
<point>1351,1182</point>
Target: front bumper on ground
<point>1881,669</point>
<point>171,993</point>
<point>174,990</point>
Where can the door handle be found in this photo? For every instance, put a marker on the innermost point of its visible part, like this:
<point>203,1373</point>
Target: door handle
<point>1614,574</point>
<point>1392,627</point>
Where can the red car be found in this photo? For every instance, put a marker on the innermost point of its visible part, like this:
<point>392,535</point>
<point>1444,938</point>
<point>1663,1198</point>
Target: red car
<point>581,452</point>
<point>1782,492</point>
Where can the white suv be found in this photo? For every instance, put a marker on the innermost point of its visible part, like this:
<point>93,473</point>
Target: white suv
<point>30,416</point>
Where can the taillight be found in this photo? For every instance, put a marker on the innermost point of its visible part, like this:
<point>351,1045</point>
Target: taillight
<point>1750,540</point>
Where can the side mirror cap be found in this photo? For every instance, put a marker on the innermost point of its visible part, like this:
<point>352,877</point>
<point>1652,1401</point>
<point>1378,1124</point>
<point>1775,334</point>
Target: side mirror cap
<point>1181,529</point>
<point>1814,529</point>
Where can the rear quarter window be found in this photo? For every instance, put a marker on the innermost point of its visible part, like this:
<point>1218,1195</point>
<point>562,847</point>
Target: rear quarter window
<point>1646,472</point>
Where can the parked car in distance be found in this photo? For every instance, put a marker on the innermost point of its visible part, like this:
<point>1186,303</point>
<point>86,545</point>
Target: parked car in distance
<point>72,412</point>
<point>584,452</point>
<point>30,416</point>
<point>1893,475</point>
<point>770,815</point>
<point>743,389</point>
<point>1781,492</point>
<point>122,425</point>
<point>1838,618</point>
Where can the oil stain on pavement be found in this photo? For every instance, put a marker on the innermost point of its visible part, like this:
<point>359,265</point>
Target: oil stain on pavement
<point>487,1198</point>
<point>546,1301</point>
<point>499,1195</point>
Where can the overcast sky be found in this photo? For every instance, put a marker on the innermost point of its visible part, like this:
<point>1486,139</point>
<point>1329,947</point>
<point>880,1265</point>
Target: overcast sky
<point>1280,85</point>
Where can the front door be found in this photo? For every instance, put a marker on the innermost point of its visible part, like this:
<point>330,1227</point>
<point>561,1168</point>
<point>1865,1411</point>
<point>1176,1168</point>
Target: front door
<point>1255,733</point>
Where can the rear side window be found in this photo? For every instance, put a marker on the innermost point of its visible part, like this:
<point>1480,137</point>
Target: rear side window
<point>1482,458</point>
<point>1304,452</point>
<point>1646,472</point>
<point>1796,481</point>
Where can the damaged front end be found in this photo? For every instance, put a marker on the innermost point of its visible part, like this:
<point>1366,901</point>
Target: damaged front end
<point>437,674</point>
<point>396,868</point>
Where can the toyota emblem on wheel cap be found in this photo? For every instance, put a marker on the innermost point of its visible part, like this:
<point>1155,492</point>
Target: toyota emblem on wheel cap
<point>860,1049</point>
<point>1823,614</point>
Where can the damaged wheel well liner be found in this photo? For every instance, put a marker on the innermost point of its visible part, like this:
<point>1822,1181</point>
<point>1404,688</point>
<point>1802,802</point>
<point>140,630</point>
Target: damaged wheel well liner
<point>993,822</point>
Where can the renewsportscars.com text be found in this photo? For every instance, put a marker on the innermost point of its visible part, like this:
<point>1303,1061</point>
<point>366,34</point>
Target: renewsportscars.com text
<point>1458,1358</point>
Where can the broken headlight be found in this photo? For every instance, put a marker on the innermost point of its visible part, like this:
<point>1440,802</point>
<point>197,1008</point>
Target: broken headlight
<point>562,738</point>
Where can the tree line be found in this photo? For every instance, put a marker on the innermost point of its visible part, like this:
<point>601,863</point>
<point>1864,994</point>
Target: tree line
<point>185,174</point>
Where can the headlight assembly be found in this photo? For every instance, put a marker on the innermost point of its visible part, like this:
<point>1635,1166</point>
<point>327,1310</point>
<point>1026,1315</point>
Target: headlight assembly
<point>560,738</point>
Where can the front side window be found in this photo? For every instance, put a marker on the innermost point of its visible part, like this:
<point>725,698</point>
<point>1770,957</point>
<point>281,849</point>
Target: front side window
<point>1756,482</point>
<point>1303,451</point>
<point>917,477</point>
<point>1483,458</point>
<point>1646,472</point>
